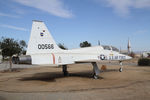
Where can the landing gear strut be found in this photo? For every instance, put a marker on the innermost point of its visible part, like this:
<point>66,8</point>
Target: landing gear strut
<point>121,67</point>
<point>96,71</point>
<point>64,69</point>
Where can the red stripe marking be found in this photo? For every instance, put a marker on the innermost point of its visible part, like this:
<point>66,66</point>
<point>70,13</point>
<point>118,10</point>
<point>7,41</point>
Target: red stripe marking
<point>53,58</point>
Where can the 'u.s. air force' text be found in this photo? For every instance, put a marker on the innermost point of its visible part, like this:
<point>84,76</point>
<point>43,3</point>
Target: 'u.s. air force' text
<point>103,57</point>
<point>117,57</point>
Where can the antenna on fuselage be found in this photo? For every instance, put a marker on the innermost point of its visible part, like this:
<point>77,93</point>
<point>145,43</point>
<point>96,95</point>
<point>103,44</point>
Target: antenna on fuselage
<point>99,42</point>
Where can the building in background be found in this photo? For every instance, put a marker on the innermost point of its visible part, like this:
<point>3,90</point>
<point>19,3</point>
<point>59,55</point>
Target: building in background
<point>146,54</point>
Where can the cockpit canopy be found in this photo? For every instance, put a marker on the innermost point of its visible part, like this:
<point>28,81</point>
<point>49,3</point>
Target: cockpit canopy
<point>106,47</point>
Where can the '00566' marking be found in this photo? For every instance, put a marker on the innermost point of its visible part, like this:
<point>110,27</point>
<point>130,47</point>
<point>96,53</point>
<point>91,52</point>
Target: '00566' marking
<point>45,46</point>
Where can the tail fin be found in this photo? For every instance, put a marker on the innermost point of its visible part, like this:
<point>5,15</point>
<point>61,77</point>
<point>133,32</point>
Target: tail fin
<point>41,40</point>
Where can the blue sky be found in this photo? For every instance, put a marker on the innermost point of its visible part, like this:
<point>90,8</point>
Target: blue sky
<point>74,21</point>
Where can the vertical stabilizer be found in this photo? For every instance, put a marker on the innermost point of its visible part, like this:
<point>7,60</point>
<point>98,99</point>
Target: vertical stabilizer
<point>41,40</point>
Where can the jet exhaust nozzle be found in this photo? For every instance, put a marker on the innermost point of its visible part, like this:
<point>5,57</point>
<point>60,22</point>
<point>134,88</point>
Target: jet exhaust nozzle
<point>25,59</point>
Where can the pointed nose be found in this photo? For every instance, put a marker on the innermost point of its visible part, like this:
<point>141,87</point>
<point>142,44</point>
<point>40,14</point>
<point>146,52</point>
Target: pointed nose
<point>128,57</point>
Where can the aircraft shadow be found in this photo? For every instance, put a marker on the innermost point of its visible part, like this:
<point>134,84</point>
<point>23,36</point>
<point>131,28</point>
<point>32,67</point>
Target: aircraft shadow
<point>52,76</point>
<point>2,98</point>
<point>110,70</point>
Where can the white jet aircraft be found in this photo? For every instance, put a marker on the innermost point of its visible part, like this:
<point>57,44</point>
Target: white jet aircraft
<point>42,50</point>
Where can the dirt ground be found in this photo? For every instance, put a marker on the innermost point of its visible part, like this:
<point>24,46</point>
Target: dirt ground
<point>48,83</point>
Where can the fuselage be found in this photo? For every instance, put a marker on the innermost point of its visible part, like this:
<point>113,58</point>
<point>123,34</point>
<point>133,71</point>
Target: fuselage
<point>62,57</point>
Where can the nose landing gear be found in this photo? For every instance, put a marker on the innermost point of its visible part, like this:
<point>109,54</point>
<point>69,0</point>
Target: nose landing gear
<point>121,67</point>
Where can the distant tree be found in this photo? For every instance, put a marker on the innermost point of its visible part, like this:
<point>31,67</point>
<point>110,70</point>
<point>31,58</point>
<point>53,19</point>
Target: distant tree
<point>148,55</point>
<point>0,48</point>
<point>144,62</point>
<point>23,45</point>
<point>62,46</point>
<point>0,44</point>
<point>24,52</point>
<point>85,44</point>
<point>9,47</point>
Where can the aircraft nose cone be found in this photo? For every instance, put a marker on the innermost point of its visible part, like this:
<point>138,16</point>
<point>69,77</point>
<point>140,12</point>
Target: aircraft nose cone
<point>128,57</point>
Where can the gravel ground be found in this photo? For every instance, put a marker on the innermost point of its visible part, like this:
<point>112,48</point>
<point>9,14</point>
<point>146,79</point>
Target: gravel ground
<point>48,83</point>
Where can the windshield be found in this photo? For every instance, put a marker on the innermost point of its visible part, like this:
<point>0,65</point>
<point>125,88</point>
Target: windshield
<point>115,49</point>
<point>110,48</point>
<point>106,47</point>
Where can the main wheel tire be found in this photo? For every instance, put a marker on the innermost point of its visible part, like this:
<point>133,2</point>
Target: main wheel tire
<point>66,73</point>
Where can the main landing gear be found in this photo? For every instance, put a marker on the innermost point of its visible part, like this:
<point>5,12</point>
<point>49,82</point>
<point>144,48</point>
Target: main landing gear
<point>96,71</point>
<point>64,69</point>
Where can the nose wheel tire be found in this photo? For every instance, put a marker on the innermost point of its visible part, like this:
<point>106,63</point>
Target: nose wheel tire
<point>120,69</point>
